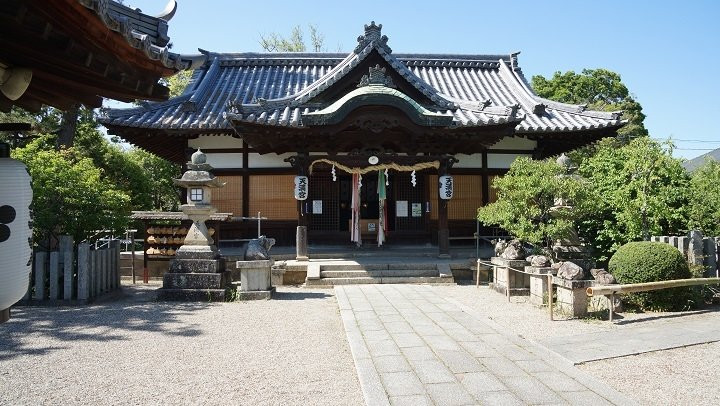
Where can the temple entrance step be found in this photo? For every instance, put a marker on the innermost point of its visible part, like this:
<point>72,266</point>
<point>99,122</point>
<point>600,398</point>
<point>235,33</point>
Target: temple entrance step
<point>329,282</point>
<point>392,266</point>
<point>379,273</point>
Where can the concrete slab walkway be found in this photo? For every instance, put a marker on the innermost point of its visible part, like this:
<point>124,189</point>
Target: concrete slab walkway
<point>413,347</point>
<point>669,334</point>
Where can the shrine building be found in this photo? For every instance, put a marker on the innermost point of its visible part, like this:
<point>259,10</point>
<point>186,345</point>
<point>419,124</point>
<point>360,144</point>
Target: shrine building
<point>352,147</point>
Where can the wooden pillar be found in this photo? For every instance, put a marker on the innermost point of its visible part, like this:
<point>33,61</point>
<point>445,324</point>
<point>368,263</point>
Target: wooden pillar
<point>301,163</point>
<point>485,179</point>
<point>443,230</point>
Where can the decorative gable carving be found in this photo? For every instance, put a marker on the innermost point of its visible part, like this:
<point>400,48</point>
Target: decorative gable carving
<point>376,76</point>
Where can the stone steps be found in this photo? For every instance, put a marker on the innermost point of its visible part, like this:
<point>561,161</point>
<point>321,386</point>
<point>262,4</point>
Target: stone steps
<point>191,295</point>
<point>329,282</point>
<point>379,273</point>
<point>328,275</point>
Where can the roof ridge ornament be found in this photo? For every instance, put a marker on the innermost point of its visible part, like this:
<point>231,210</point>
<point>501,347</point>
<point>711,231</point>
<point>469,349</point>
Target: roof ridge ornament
<point>373,35</point>
<point>376,77</point>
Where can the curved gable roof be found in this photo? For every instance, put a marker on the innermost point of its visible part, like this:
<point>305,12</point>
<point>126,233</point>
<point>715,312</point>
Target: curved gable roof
<point>279,89</point>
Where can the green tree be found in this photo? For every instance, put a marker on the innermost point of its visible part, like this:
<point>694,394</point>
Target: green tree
<point>178,82</point>
<point>638,190</point>
<point>47,120</point>
<point>600,89</point>
<point>275,42</point>
<point>526,196</point>
<point>705,198</point>
<point>70,196</point>
<point>164,195</point>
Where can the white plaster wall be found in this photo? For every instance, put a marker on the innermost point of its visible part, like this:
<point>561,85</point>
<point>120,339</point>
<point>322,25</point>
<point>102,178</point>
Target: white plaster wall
<point>225,160</point>
<point>268,160</point>
<point>515,143</point>
<point>468,161</point>
<point>503,161</point>
<point>215,141</point>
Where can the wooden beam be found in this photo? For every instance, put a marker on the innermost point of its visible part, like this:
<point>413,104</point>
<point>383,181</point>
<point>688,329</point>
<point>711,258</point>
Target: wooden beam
<point>43,57</point>
<point>87,28</point>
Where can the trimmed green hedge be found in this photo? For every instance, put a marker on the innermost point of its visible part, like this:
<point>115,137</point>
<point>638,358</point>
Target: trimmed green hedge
<point>645,261</point>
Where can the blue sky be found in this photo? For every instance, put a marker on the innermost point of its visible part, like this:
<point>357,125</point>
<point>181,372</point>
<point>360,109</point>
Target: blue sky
<point>667,52</point>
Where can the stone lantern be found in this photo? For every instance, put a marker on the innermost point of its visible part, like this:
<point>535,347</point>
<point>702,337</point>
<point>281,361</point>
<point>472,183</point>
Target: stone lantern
<point>198,181</point>
<point>197,272</point>
<point>569,248</point>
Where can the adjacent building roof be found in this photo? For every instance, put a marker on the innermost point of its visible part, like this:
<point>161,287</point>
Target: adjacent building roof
<point>695,163</point>
<point>290,90</point>
<point>79,51</point>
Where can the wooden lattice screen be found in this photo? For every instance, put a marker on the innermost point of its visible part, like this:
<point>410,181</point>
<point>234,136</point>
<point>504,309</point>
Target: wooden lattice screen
<point>467,197</point>
<point>403,190</point>
<point>272,196</point>
<point>326,191</point>
<point>228,199</point>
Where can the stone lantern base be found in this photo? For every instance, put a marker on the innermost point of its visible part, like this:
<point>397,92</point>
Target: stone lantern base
<point>195,279</point>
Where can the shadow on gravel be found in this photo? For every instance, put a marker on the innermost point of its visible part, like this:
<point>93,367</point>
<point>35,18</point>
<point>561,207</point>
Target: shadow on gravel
<point>134,309</point>
<point>299,295</point>
<point>669,316</point>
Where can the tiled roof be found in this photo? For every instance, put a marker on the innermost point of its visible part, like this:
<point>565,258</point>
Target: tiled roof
<point>144,32</point>
<point>278,89</point>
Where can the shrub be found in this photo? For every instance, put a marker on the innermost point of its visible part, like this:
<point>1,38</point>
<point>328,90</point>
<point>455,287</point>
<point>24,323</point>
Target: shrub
<point>644,261</point>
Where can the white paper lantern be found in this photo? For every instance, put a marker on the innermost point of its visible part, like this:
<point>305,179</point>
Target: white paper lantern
<point>446,187</point>
<point>301,187</point>
<point>15,231</point>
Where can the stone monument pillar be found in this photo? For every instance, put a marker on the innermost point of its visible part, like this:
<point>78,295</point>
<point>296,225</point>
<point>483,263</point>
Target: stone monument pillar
<point>198,272</point>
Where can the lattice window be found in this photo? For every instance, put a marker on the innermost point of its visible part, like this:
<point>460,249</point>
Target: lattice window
<point>404,191</point>
<point>467,197</point>
<point>323,189</point>
<point>272,196</point>
<point>228,199</point>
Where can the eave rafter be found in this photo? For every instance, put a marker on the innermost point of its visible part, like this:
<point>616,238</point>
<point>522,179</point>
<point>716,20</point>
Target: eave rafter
<point>80,51</point>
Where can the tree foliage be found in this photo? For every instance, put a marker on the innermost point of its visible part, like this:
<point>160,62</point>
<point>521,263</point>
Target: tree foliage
<point>526,196</point>
<point>178,82</point>
<point>645,261</point>
<point>600,89</point>
<point>638,190</point>
<point>705,198</point>
<point>93,172</point>
<point>295,42</point>
<point>70,195</point>
<point>163,194</point>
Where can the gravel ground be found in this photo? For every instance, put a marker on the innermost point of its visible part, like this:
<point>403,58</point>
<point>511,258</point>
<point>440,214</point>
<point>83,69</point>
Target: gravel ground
<point>681,376</point>
<point>287,351</point>
<point>135,351</point>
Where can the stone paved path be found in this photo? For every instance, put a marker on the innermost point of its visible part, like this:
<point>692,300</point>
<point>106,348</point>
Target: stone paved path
<point>668,334</point>
<point>414,347</point>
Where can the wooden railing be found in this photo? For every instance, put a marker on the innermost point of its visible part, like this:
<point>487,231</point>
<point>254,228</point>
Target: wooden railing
<point>612,290</point>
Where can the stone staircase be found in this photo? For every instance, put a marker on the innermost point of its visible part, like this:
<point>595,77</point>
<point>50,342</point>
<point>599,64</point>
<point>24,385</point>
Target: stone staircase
<point>350,272</point>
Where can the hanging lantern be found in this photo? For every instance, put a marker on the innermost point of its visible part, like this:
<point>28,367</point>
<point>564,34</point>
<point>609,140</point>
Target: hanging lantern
<point>301,187</point>
<point>446,187</point>
<point>15,231</point>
